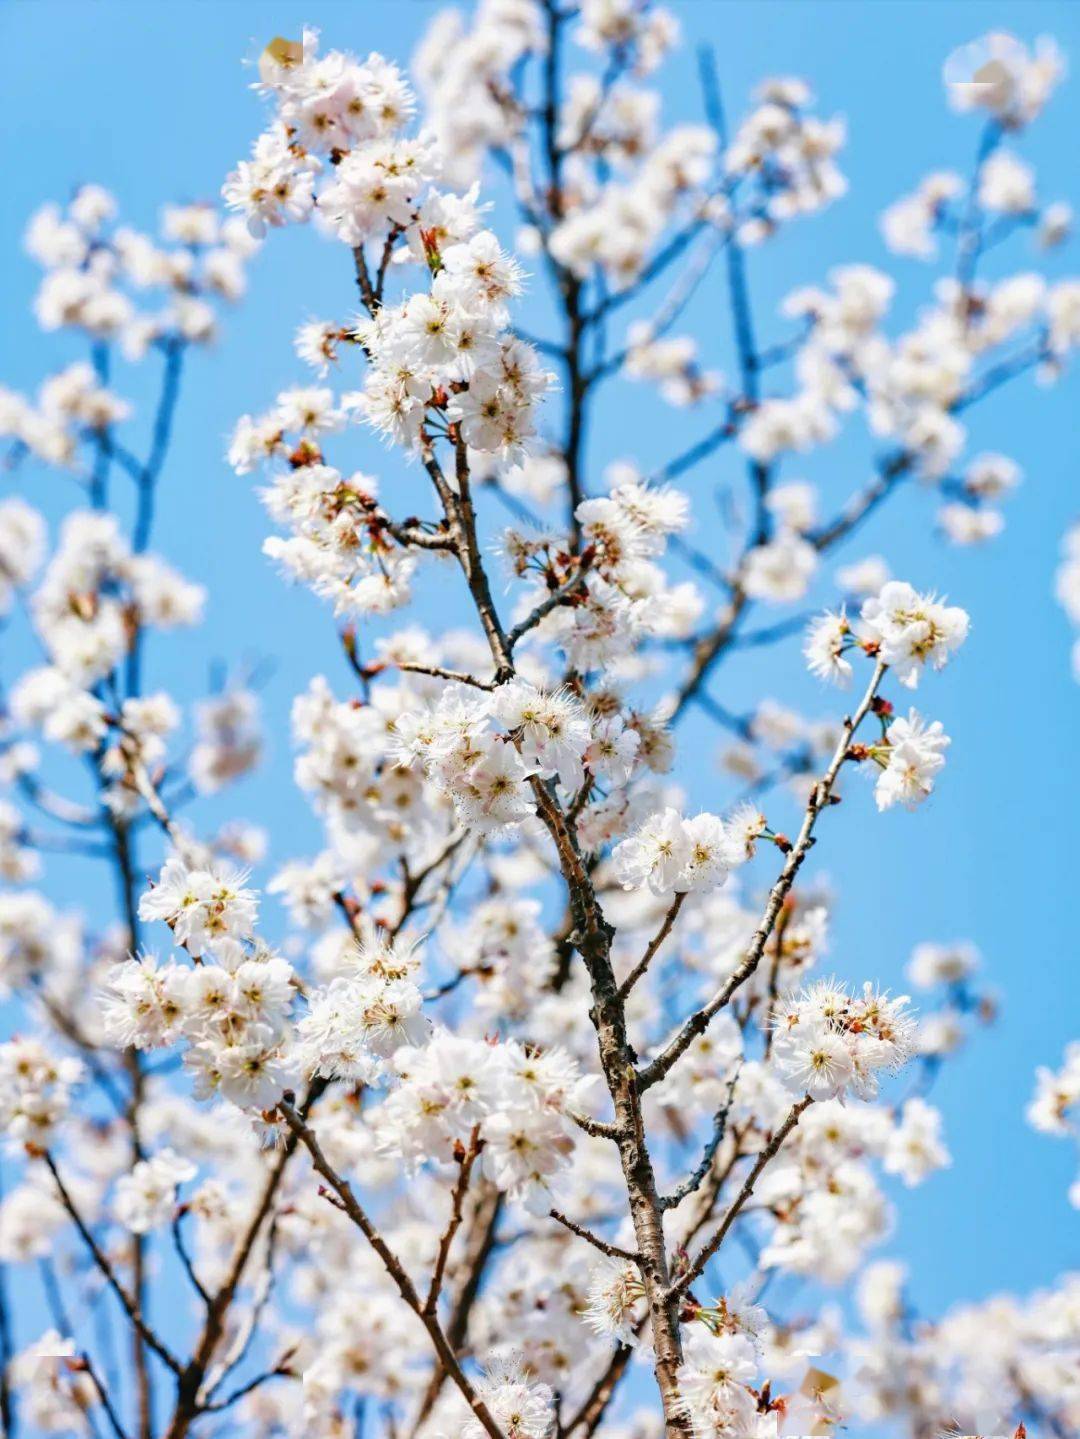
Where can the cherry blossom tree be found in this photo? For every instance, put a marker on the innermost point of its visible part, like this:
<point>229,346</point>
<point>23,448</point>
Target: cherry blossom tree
<point>522,1108</point>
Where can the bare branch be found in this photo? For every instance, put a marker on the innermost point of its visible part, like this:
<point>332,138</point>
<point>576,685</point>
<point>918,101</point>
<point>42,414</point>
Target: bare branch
<point>185,1259</point>
<point>191,1378</point>
<point>591,1413</point>
<point>480,1244</point>
<point>86,1365</point>
<point>611,1250</point>
<point>654,944</point>
<point>556,598</point>
<point>771,1149</point>
<point>131,1309</point>
<point>436,672</point>
<point>694,1182</point>
<point>457,1200</point>
<point>393,1266</point>
<point>280,1369</point>
<point>597,1128</point>
<point>820,797</point>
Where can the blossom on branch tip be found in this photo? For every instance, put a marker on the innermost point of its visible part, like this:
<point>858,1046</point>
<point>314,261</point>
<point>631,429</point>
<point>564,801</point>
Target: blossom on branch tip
<point>912,630</point>
<point>673,855</point>
<point>827,639</point>
<point>914,755</point>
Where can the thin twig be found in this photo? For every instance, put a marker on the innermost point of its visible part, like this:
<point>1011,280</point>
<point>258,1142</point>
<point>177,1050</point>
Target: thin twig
<point>611,1250</point>
<point>480,1244</point>
<point>694,1182</point>
<point>131,1309</point>
<point>771,1149</point>
<point>457,1200</point>
<point>216,1406</point>
<point>393,1266</point>
<point>190,1380</point>
<point>438,673</point>
<point>544,608</point>
<point>85,1363</point>
<point>185,1259</point>
<point>654,944</point>
<point>820,798</point>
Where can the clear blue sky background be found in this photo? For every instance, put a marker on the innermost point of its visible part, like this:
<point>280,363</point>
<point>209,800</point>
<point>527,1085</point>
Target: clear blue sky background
<point>151,100</point>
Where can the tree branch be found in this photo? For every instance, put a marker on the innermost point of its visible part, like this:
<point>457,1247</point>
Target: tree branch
<point>611,1250</point>
<point>457,1200</point>
<point>820,797</point>
<point>392,1265</point>
<point>130,1307</point>
<point>654,944</point>
<point>771,1149</point>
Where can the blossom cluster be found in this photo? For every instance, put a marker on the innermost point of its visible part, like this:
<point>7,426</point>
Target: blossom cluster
<point>532,1038</point>
<point>516,1099</point>
<point>945,1373</point>
<point>483,770</point>
<point>828,1041</point>
<point>95,274</point>
<point>329,106</point>
<point>673,855</point>
<point>37,1089</point>
<point>908,632</point>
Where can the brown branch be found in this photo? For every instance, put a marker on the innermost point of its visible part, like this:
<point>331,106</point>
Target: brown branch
<point>479,1247</point>
<point>711,1191</point>
<point>468,1158</point>
<point>190,1380</point>
<point>593,941</point>
<point>774,971</point>
<point>85,1364</point>
<point>414,882</point>
<point>611,1250</point>
<point>185,1259</point>
<point>392,1265</point>
<point>708,649</point>
<point>130,1307</point>
<point>281,1369</point>
<point>438,673</point>
<point>598,1128</point>
<point>692,1184</point>
<point>609,1020</point>
<point>770,1151</point>
<point>364,282</point>
<point>246,1335</point>
<point>592,1411</point>
<point>349,912</point>
<point>553,601</point>
<point>820,798</point>
<point>654,945</point>
<point>410,537</point>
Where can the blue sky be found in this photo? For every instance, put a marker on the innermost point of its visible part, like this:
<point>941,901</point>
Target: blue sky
<point>152,101</point>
